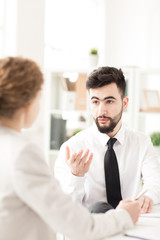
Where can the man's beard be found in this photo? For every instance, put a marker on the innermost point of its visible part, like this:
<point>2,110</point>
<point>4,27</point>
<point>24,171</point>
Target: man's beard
<point>113,123</point>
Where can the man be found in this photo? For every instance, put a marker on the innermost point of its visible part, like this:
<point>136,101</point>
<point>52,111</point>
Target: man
<point>80,165</point>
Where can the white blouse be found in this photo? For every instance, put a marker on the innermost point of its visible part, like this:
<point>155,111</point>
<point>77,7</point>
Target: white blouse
<point>32,204</point>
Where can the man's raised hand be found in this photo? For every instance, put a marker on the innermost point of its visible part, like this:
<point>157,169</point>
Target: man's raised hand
<point>78,163</point>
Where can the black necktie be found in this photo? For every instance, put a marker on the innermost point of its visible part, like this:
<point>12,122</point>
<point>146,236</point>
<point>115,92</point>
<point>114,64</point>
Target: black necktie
<point>113,188</point>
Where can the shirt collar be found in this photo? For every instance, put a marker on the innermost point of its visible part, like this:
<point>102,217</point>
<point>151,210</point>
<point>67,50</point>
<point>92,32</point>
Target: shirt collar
<point>120,135</point>
<point>103,138</point>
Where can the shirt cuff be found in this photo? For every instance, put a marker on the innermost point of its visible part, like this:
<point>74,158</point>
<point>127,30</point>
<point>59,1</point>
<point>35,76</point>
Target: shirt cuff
<point>79,181</point>
<point>153,196</point>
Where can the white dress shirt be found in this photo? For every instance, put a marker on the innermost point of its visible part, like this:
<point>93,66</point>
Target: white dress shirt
<point>136,158</point>
<point>32,204</point>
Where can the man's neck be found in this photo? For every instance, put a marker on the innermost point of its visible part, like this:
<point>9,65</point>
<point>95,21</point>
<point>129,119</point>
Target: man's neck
<point>116,129</point>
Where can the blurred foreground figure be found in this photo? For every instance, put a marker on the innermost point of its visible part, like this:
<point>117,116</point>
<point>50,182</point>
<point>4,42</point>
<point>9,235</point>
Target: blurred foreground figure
<point>32,204</point>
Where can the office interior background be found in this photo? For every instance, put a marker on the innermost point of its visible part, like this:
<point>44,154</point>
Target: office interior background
<point>58,34</point>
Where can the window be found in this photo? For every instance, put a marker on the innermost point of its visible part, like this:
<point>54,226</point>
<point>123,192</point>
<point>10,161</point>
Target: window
<point>71,29</point>
<point>1,27</point>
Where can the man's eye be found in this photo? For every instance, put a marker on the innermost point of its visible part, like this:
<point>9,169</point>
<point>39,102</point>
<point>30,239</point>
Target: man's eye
<point>95,102</point>
<point>110,101</point>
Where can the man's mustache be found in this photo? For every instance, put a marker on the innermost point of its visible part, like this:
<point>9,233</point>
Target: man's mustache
<point>104,117</point>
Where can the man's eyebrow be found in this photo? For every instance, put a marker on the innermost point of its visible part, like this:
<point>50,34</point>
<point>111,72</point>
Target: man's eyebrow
<point>109,97</point>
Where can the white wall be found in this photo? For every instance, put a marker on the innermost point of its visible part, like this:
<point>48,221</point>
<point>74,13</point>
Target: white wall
<point>30,29</point>
<point>24,29</point>
<point>153,58</point>
<point>10,24</point>
<point>132,37</point>
<point>129,32</point>
<point>30,20</point>
<point>132,33</point>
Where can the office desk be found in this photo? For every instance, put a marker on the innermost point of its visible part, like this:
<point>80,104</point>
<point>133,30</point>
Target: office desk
<point>146,228</point>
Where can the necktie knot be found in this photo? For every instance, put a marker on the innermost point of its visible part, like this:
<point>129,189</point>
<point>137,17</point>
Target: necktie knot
<point>111,142</point>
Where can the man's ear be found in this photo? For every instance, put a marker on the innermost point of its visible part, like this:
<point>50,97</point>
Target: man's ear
<point>125,103</point>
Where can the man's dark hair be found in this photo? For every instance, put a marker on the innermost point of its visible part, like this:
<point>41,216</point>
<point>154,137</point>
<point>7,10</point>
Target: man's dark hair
<point>106,75</point>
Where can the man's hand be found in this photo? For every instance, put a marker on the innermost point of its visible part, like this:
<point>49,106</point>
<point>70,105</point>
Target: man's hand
<point>132,207</point>
<point>78,163</point>
<point>146,204</point>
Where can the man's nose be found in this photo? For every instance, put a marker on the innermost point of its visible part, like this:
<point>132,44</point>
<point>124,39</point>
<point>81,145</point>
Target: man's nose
<point>102,110</point>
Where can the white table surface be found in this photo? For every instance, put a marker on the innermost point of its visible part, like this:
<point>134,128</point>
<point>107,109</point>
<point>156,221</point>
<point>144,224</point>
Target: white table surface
<point>149,226</point>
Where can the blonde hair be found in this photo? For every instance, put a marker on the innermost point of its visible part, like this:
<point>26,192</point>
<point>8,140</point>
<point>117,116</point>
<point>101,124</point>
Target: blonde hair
<point>20,81</point>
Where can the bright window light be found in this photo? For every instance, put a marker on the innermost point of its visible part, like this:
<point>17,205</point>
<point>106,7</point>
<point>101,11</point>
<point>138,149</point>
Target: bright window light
<point>71,75</point>
<point>1,26</point>
<point>1,13</point>
<point>71,29</point>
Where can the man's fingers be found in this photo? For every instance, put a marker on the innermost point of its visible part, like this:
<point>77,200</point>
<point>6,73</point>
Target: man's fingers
<point>69,156</point>
<point>150,207</point>
<point>90,158</point>
<point>73,158</point>
<point>146,204</point>
<point>79,156</point>
<point>88,163</point>
<point>141,201</point>
<point>84,158</point>
<point>78,163</point>
<point>67,153</point>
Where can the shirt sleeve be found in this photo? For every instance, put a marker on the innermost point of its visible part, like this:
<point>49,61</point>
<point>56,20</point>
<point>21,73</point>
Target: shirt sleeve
<point>39,190</point>
<point>70,183</point>
<point>151,173</point>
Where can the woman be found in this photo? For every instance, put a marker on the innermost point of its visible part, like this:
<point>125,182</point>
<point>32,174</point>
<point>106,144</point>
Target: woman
<point>32,205</point>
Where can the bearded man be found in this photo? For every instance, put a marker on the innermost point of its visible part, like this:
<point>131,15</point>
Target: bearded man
<point>108,162</point>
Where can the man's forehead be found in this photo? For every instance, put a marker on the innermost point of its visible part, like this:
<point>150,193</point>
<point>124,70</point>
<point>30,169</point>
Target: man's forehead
<point>111,88</point>
<point>105,92</point>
